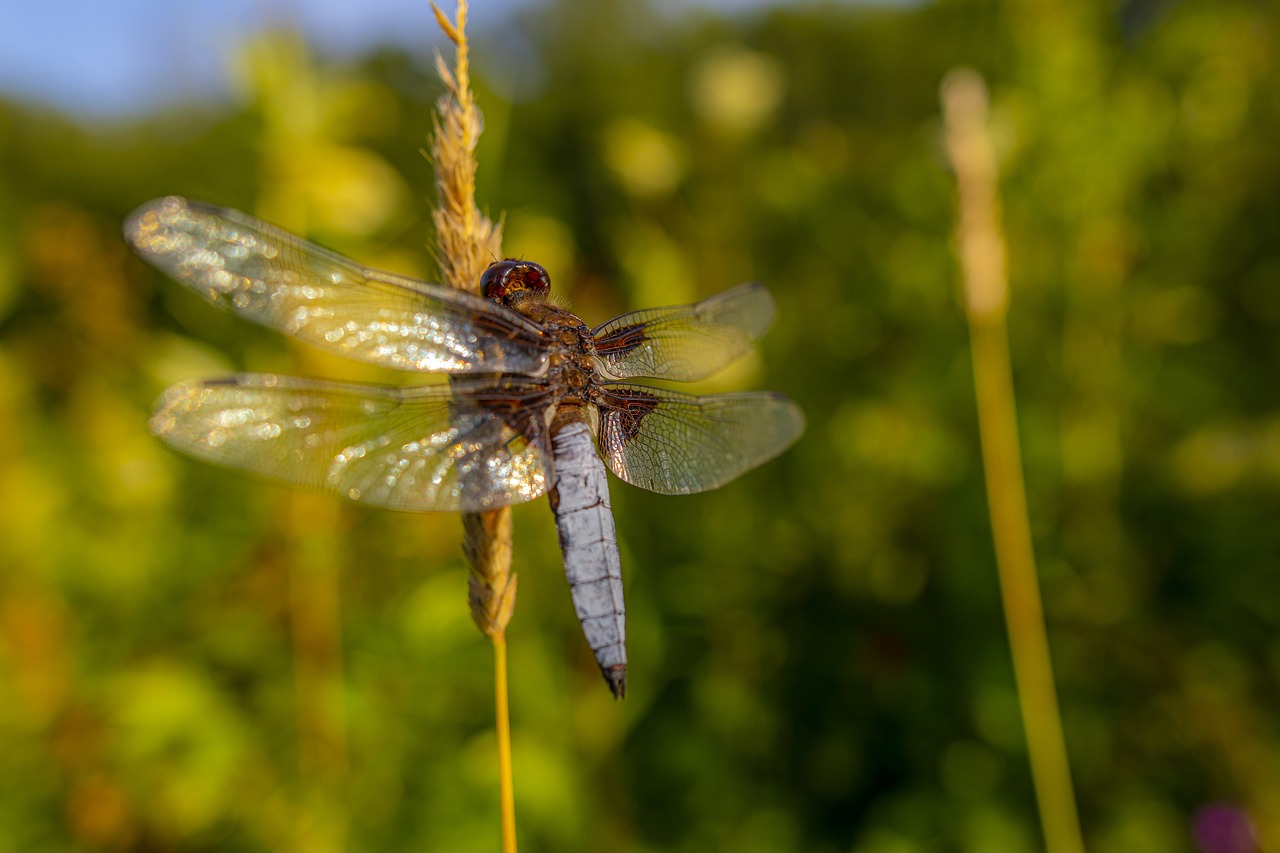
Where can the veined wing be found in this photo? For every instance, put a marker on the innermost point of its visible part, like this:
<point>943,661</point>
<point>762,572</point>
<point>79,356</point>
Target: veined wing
<point>471,446</point>
<point>677,444</point>
<point>271,277</point>
<point>686,342</point>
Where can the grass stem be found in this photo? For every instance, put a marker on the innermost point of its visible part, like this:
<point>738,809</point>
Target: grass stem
<point>503,723</point>
<point>465,242</point>
<point>980,244</point>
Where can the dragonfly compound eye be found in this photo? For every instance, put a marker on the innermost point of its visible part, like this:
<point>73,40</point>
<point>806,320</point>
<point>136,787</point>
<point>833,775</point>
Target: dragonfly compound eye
<point>505,279</point>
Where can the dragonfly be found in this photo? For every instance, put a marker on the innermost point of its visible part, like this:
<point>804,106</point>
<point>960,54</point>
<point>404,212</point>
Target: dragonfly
<point>537,403</point>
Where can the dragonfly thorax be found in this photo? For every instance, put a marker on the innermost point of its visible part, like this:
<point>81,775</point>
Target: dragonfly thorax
<point>573,362</point>
<point>571,372</point>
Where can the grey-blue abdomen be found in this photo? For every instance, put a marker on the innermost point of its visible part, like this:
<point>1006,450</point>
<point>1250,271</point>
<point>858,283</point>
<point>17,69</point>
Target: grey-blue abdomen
<point>589,542</point>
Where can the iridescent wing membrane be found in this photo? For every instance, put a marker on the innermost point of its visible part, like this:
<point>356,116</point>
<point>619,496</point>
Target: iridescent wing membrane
<point>687,342</point>
<point>476,444</point>
<point>465,447</point>
<point>273,278</point>
<point>676,443</point>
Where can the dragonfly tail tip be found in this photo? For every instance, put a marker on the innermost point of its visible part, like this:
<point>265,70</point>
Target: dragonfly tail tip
<point>616,676</point>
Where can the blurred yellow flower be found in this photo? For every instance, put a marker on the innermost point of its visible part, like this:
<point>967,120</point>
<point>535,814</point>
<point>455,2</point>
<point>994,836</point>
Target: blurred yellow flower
<point>647,161</point>
<point>737,90</point>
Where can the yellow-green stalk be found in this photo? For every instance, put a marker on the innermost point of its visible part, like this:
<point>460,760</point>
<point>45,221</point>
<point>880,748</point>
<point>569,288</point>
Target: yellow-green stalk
<point>980,245</point>
<point>466,241</point>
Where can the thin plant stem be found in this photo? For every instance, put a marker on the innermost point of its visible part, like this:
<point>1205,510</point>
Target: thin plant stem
<point>465,241</point>
<point>502,721</point>
<point>980,244</point>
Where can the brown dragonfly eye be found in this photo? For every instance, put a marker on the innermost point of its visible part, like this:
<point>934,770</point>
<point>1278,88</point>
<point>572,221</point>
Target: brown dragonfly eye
<point>505,279</point>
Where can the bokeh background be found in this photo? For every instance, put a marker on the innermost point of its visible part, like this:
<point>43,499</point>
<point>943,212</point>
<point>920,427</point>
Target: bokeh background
<point>190,660</point>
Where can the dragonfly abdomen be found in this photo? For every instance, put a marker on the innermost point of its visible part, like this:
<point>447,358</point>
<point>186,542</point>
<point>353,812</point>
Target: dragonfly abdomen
<point>589,542</point>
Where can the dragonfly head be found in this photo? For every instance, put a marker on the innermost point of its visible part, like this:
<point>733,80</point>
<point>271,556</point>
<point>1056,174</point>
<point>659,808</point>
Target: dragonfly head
<point>510,280</point>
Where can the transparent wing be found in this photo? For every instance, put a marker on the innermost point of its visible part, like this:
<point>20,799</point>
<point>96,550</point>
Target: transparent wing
<point>677,444</point>
<point>469,446</point>
<point>687,342</point>
<point>271,277</point>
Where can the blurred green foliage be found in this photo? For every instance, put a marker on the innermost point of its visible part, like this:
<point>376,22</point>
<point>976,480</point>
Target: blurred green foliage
<point>192,661</point>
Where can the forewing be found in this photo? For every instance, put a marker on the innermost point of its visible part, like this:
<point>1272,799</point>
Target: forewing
<point>686,342</point>
<point>677,444</point>
<point>469,446</point>
<point>271,277</point>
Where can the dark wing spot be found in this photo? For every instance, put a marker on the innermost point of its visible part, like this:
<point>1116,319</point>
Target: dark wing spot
<point>622,340</point>
<point>622,411</point>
